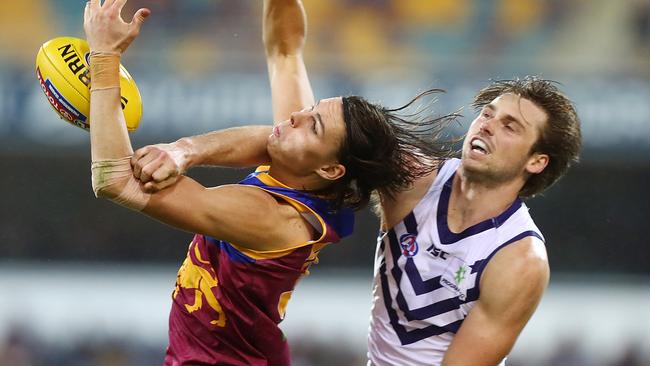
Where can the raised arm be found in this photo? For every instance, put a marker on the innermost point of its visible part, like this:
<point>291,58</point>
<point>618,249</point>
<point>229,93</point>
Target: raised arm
<point>511,287</point>
<point>188,206</point>
<point>108,37</point>
<point>284,32</point>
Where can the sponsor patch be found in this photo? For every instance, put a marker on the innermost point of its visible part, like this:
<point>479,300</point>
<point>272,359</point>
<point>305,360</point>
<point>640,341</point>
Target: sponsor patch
<point>60,104</point>
<point>455,277</point>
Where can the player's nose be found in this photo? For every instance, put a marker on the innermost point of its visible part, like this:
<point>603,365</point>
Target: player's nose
<point>486,126</point>
<point>296,119</point>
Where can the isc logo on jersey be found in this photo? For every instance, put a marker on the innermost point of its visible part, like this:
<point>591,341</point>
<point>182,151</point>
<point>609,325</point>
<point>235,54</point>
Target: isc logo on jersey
<point>63,73</point>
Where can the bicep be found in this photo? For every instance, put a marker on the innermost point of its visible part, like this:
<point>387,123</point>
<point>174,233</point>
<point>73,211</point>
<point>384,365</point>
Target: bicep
<point>511,288</point>
<point>242,215</point>
<point>290,87</point>
<point>482,340</point>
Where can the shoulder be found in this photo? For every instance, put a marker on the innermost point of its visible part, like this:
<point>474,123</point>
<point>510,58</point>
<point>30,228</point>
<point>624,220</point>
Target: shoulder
<point>518,271</point>
<point>271,222</point>
<point>267,206</point>
<point>246,194</point>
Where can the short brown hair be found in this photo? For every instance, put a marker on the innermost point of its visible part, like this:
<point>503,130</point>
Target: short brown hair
<point>560,139</point>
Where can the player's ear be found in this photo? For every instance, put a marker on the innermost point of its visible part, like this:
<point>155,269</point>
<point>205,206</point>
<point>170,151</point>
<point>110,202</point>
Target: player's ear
<point>537,163</point>
<point>332,171</point>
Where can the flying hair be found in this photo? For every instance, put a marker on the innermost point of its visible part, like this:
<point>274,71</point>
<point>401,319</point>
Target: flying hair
<point>388,149</point>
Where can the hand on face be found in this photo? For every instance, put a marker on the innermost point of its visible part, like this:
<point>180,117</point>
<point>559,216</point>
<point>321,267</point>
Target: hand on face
<point>105,29</point>
<point>158,166</point>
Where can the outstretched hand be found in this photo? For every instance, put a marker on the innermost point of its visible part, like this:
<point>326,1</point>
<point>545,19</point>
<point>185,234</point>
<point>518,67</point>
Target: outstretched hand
<point>105,29</point>
<point>158,166</point>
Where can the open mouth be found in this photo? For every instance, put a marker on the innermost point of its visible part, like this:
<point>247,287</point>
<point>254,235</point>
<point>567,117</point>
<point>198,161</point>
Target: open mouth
<point>479,146</point>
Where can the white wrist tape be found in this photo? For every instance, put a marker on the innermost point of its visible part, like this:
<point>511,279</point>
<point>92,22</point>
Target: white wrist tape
<point>108,175</point>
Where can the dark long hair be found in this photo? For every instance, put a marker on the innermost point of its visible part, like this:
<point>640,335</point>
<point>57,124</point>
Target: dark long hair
<point>560,138</point>
<point>387,149</point>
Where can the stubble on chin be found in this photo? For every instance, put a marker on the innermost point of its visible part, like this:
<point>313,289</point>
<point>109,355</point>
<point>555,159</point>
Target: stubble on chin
<point>490,176</point>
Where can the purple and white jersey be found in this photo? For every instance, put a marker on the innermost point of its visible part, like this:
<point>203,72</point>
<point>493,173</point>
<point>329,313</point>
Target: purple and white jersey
<point>426,277</point>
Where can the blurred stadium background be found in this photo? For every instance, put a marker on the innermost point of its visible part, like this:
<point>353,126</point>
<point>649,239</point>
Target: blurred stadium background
<point>84,282</point>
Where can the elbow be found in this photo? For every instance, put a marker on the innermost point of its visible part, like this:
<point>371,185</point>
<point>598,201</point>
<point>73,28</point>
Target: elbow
<point>109,177</point>
<point>113,179</point>
<point>107,191</point>
<point>124,192</point>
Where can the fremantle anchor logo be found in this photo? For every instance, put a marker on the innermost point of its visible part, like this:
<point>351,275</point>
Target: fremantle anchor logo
<point>409,245</point>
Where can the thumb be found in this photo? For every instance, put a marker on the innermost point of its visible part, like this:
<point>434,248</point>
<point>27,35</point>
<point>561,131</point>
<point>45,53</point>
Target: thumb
<point>139,154</point>
<point>139,18</point>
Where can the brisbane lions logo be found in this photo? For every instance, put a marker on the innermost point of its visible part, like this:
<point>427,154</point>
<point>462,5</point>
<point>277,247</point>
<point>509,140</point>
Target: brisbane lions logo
<point>193,277</point>
<point>409,245</point>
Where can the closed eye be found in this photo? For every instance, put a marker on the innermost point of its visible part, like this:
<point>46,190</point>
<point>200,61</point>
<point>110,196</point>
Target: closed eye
<point>510,126</point>
<point>316,117</point>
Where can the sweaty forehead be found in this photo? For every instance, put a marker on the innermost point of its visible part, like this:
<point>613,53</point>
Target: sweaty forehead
<point>330,106</point>
<point>331,111</point>
<point>520,108</point>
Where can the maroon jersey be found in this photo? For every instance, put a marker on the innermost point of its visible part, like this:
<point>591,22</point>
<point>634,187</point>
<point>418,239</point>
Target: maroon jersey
<point>229,300</point>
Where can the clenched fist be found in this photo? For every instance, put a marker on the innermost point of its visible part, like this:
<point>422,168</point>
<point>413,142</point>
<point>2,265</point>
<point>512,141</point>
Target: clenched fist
<point>158,166</point>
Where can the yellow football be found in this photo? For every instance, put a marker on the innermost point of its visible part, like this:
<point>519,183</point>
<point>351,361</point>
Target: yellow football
<point>62,70</point>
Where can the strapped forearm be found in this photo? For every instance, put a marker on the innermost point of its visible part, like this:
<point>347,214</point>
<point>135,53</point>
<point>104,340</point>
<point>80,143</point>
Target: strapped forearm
<point>236,147</point>
<point>113,179</point>
<point>112,175</point>
<point>109,138</point>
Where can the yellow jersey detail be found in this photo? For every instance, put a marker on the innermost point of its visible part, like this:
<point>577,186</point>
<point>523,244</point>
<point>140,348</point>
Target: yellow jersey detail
<point>192,276</point>
<point>283,302</point>
<point>301,207</point>
<point>313,257</point>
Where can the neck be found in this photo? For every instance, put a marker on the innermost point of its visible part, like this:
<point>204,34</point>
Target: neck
<point>474,200</point>
<point>310,182</point>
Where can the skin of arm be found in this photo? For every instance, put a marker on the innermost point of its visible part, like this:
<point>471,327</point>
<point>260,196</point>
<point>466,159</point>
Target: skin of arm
<point>159,166</point>
<point>511,288</point>
<point>284,32</point>
<point>188,206</point>
<point>395,207</point>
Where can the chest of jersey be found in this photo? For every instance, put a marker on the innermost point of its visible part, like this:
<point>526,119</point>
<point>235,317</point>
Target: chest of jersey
<point>427,278</point>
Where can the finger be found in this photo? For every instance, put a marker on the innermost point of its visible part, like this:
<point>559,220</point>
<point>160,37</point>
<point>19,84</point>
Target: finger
<point>119,4</point>
<point>150,187</point>
<point>135,161</point>
<point>138,18</point>
<point>94,4</point>
<point>153,187</point>
<point>87,11</point>
<point>108,2</point>
<point>165,184</point>
<point>139,154</point>
<point>149,169</point>
<point>147,188</point>
<point>141,163</point>
<point>163,173</point>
